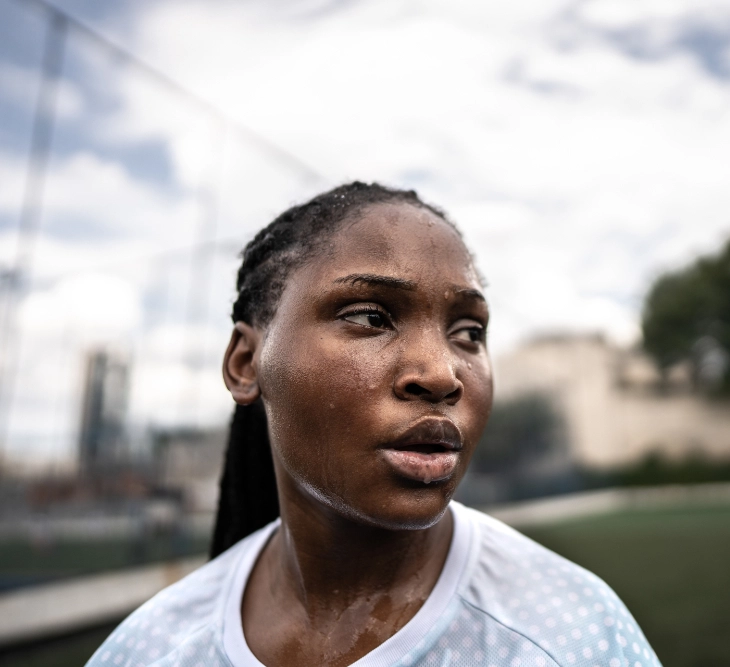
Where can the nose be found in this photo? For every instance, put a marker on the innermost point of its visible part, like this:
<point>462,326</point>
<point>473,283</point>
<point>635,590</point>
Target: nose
<point>427,371</point>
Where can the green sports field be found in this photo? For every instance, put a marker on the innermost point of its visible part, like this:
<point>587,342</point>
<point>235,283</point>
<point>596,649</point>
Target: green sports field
<point>671,567</point>
<point>22,562</point>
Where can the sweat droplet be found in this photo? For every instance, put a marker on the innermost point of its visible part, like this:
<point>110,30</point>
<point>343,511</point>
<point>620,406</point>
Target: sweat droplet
<point>332,406</point>
<point>446,295</point>
<point>468,364</point>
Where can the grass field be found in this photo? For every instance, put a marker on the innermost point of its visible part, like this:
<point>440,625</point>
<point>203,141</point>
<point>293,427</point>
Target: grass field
<point>671,567</point>
<point>22,562</point>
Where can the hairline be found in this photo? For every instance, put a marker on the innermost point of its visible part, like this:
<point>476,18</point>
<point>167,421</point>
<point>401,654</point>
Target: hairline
<point>309,251</point>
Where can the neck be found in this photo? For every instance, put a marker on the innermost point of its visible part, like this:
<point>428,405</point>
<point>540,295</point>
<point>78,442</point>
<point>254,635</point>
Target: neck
<point>330,561</point>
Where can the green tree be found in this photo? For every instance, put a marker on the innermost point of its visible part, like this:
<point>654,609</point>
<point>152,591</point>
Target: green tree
<point>686,315</point>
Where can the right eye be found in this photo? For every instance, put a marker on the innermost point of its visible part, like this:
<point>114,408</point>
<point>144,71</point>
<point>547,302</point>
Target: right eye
<point>369,318</point>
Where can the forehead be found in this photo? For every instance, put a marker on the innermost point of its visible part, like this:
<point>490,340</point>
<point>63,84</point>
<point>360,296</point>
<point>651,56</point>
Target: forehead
<point>403,241</point>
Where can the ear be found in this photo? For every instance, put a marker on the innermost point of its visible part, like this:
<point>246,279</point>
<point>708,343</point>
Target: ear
<point>239,370</point>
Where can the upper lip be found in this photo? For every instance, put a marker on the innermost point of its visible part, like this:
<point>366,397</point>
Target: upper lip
<point>430,431</point>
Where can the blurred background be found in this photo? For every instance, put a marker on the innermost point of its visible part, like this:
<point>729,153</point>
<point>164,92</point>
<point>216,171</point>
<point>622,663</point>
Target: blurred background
<point>582,147</point>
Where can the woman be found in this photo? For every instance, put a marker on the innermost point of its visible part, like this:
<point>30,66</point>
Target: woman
<point>359,353</point>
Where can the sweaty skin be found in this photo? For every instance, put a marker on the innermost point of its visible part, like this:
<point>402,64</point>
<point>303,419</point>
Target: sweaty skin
<point>377,385</point>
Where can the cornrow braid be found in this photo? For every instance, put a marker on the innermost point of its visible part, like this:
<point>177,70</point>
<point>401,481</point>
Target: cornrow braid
<point>248,499</point>
<point>294,236</point>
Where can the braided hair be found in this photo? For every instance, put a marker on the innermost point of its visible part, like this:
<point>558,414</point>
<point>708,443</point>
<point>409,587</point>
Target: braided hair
<point>248,498</point>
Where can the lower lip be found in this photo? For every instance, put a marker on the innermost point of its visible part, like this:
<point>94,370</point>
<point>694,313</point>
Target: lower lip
<point>421,467</point>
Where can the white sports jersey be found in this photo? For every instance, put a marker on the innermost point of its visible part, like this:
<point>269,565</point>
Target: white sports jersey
<point>501,600</point>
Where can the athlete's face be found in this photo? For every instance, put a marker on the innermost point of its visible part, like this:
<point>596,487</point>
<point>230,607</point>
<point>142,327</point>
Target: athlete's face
<point>374,370</point>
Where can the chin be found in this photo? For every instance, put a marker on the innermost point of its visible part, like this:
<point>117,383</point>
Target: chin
<point>414,506</point>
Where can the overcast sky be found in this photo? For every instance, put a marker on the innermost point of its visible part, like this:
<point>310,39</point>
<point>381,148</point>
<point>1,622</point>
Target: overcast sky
<point>582,147</point>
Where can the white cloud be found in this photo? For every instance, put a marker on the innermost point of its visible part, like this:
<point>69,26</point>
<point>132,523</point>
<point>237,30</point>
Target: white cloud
<point>20,85</point>
<point>167,394</point>
<point>576,170</point>
<point>89,200</point>
<point>627,13</point>
<point>93,308</point>
<point>107,200</point>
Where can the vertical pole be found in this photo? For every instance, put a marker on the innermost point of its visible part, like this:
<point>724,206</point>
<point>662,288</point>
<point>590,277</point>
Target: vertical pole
<point>19,277</point>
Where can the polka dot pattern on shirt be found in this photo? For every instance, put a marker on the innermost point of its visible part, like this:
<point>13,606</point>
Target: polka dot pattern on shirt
<point>517,605</point>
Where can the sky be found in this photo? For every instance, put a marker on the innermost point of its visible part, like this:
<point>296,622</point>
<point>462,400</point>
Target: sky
<point>581,146</point>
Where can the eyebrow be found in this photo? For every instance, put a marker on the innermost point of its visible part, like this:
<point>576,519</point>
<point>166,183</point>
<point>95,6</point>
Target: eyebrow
<point>400,283</point>
<point>377,281</point>
<point>469,292</point>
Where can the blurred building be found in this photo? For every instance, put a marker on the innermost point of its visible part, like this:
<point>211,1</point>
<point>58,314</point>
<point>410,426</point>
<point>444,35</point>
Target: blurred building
<point>190,463</point>
<point>616,405</point>
<point>102,437</point>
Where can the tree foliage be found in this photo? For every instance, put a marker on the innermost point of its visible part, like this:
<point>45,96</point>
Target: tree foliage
<point>687,307</point>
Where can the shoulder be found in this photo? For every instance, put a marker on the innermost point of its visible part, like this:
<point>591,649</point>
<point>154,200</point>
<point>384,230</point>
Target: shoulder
<point>533,595</point>
<point>183,620</point>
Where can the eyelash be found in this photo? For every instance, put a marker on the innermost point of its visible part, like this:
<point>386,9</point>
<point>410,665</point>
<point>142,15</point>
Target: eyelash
<point>480,330</point>
<point>367,310</point>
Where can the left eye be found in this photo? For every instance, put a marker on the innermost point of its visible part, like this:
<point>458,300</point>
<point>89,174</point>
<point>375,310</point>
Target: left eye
<point>473,334</point>
<point>370,318</point>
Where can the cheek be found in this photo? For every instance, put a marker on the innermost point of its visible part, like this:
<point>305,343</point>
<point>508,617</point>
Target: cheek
<point>319,374</point>
<point>320,399</point>
<point>487,389</point>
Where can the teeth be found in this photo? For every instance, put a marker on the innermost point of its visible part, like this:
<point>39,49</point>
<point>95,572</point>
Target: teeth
<point>427,480</point>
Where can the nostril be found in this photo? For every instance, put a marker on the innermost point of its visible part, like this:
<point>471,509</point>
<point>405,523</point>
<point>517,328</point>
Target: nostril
<point>454,395</point>
<point>416,389</point>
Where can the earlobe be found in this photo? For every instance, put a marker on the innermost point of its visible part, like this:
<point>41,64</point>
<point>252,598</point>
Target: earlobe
<point>239,368</point>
